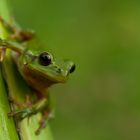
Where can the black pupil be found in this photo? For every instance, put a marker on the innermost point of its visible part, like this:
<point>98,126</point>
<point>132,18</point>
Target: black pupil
<point>45,59</point>
<point>72,68</point>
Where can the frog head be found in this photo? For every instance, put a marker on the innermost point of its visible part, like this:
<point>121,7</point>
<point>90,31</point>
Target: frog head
<point>43,65</point>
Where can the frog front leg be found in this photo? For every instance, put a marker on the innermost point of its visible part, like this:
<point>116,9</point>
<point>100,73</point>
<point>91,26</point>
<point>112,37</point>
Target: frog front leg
<point>28,111</point>
<point>8,44</point>
<point>42,106</point>
<point>16,33</point>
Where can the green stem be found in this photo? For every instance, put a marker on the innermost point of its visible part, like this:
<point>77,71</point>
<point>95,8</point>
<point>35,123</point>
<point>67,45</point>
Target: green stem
<point>4,10</point>
<point>7,126</point>
<point>19,89</point>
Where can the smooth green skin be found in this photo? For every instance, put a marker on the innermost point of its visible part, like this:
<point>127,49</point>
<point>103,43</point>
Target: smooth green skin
<point>28,64</point>
<point>27,59</point>
<point>38,76</point>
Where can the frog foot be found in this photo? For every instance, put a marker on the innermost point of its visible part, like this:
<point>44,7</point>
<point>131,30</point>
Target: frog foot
<point>23,36</point>
<point>21,113</point>
<point>28,102</point>
<point>24,109</point>
<point>46,116</point>
<point>41,106</point>
<point>17,33</point>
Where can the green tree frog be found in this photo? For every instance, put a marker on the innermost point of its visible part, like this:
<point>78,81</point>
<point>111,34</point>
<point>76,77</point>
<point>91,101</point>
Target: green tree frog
<point>38,68</point>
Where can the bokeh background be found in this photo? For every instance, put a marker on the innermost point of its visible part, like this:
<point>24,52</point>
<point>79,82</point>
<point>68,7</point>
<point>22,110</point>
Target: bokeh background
<point>101,100</point>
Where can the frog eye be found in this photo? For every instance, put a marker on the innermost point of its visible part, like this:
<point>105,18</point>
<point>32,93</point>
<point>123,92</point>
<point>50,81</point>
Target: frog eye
<point>45,59</point>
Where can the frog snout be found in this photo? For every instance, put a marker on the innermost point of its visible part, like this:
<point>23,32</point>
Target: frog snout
<point>65,67</point>
<point>72,69</point>
<point>70,66</point>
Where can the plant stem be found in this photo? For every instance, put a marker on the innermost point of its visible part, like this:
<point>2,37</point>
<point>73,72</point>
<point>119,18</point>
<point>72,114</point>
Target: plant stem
<point>4,10</point>
<point>7,126</point>
<point>18,88</point>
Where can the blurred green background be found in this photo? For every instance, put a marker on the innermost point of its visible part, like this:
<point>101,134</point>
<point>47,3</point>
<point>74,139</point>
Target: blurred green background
<point>101,101</point>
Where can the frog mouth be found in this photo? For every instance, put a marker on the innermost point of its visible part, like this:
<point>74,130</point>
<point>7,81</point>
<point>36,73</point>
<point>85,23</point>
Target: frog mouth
<point>56,77</point>
<point>53,76</point>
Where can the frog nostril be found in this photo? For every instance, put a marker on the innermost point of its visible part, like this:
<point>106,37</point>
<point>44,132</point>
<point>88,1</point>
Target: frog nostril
<point>59,70</point>
<point>72,68</point>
